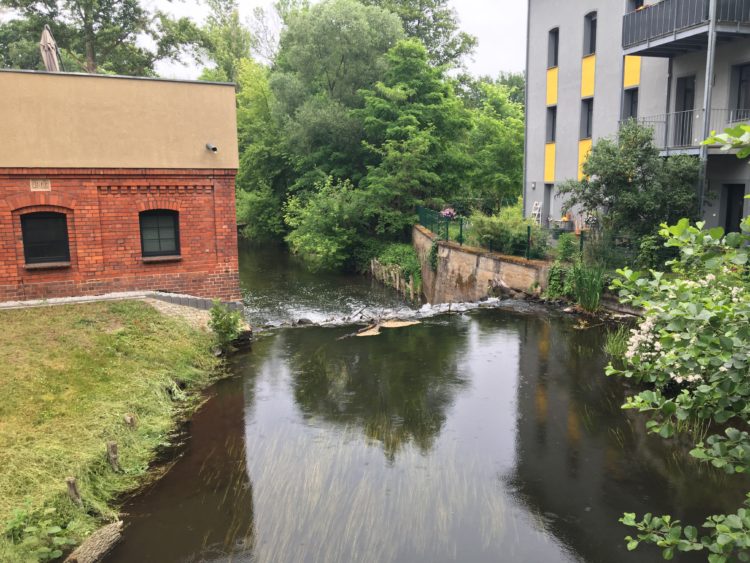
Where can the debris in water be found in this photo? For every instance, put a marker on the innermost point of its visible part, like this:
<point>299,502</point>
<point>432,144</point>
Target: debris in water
<point>370,331</point>
<point>374,330</point>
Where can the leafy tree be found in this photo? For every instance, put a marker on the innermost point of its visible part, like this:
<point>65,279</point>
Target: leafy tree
<point>227,40</point>
<point>337,47</point>
<point>735,138</point>
<point>413,124</point>
<point>436,25</point>
<point>495,146</point>
<point>100,35</point>
<point>631,187</point>
<point>516,83</point>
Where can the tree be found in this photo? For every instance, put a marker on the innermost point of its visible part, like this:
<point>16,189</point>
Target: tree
<point>631,187</point>
<point>337,47</point>
<point>516,83</point>
<point>495,145</point>
<point>228,41</point>
<point>101,35</point>
<point>414,124</point>
<point>436,25</point>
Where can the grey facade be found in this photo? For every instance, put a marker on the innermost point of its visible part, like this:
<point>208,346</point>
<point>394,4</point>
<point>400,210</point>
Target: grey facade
<point>669,40</point>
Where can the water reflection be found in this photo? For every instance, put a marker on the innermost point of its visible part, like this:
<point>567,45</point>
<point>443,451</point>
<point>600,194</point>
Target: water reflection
<point>478,438</point>
<point>202,510</point>
<point>375,385</point>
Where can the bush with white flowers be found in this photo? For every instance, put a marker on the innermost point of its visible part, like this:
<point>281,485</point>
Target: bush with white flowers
<point>691,354</point>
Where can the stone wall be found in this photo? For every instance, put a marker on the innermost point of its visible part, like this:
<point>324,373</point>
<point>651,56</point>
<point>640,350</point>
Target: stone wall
<point>466,274</point>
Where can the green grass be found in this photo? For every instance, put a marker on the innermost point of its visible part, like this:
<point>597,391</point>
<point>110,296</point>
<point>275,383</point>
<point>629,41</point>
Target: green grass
<point>68,376</point>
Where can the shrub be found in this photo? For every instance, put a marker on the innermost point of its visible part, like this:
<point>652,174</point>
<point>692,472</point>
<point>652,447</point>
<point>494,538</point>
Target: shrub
<point>691,353</point>
<point>260,214</point>
<point>507,231</point>
<point>434,249</point>
<point>617,343</point>
<point>588,284</point>
<point>225,324</point>
<point>558,281</point>
<point>404,256</point>
<point>567,247</point>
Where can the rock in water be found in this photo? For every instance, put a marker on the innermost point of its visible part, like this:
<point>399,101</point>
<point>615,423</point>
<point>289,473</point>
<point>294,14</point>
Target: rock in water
<point>304,322</point>
<point>97,545</point>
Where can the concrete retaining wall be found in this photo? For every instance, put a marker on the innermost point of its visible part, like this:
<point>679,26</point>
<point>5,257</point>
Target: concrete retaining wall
<point>466,274</point>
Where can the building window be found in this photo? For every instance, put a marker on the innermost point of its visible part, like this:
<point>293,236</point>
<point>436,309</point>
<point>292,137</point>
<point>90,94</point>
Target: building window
<point>587,118</point>
<point>160,233</point>
<point>553,48</point>
<point>741,95</point>
<point>630,104</point>
<point>589,34</point>
<point>45,237</point>
<point>634,5</point>
<point>551,124</point>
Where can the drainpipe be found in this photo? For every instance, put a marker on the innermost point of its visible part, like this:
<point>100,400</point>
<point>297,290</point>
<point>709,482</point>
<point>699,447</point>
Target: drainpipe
<point>527,78</point>
<point>707,95</point>
<point>667,109</point>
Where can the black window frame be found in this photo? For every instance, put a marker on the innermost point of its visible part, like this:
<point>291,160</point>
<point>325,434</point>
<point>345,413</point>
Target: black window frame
<point>551,127</point>
<point>741,95</point>
<point>61,242</point>
<point>630,103</point>
<point>635,5</point>
<point>589,34</point>
<point>175,228</point>
<point>553,48</point>
<point>587,119</point>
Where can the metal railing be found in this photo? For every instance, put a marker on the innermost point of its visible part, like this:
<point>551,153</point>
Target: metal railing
<point>671,16</point>
<point>684,129</point>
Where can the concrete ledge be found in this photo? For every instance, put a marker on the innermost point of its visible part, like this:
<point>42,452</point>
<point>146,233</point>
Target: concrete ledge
<point>176,298</point>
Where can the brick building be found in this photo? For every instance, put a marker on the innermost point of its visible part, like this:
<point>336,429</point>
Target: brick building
<point>116,184</point>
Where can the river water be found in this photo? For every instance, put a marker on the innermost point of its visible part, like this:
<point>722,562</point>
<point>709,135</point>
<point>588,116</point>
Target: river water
<point>484,436</point>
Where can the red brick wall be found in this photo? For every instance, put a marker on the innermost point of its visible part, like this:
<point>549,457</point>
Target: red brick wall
<point>102,207</point>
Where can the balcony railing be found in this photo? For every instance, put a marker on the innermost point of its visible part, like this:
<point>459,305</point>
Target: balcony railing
<point>669,17</point>
<point>684,129</point>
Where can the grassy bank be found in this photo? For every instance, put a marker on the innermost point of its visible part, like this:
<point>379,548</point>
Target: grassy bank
<point>68,377</point>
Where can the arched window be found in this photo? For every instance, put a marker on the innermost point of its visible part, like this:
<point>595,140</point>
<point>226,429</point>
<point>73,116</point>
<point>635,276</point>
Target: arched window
<point>589,34</point>
<point>45,237</point>
<point>160,233</point>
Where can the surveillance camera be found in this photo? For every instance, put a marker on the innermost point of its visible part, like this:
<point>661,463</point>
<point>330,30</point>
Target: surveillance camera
<point>212,148</point>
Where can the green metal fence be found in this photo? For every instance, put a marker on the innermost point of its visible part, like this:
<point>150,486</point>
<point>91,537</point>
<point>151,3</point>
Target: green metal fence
<point>447,228</point>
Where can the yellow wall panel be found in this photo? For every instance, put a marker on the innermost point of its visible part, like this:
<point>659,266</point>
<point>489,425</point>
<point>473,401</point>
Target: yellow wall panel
<point>632,76</point>
<point>583,153</point>
<point>552,75</point>
<point>588,76</point>
<point>549,163</point>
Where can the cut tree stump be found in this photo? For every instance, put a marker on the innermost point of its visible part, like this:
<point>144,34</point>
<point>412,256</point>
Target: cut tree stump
<point>73,493</point>
<point>113,456</point>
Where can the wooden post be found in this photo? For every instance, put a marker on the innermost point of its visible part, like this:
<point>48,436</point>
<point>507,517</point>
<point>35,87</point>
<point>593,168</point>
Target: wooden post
<point>130,421</point>
<point>73,493</point>
<point>113,456</point>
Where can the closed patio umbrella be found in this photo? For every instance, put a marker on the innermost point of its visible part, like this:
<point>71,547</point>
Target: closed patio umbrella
<point>49,51</point>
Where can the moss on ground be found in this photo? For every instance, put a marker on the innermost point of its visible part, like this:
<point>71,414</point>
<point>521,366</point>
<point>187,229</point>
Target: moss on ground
<point>68,376</point>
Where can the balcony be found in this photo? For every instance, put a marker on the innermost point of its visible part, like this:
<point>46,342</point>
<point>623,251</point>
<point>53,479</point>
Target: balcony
<point>682,132</point>
<point>675,27</point>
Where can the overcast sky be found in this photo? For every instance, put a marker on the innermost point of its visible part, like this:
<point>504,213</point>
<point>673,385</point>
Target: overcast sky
<point>500,26</point>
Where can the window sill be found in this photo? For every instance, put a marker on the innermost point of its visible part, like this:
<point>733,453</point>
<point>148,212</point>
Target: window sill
<point>161,259</point>
<point>47,266</point>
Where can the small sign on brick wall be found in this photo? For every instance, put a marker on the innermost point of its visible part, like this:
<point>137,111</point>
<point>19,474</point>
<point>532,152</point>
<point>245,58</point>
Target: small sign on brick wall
<point>40,185</point>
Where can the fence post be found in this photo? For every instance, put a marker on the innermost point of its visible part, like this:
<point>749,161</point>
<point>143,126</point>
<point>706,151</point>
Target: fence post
<point>583,236</point>
<point>528,241</point>
<point>461,231</point>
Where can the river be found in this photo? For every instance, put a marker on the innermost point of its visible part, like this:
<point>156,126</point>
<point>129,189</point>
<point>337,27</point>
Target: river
<point>480,436</point>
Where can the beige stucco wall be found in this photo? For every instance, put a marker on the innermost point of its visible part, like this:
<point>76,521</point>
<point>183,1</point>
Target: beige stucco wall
<point>85,121</point>
<point>466,274</point>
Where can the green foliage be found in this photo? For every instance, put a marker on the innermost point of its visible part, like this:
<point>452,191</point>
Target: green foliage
<point>507,233</point>
<point>559,281</point>
<point>691,351</point>
<point>617,343</point>
<point>568,247</point>
<point>404,256</point>
<point>40,537</point>
<point>260,214</point>
<point>587,285</point>
<point>325,225</point>
<point>435,24</point>
<point>225,324</point>
<point>735,138</point>
<point>227,41</point>
<point>630,187</point>
<point>434,255</point>
<point>100,36</point>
